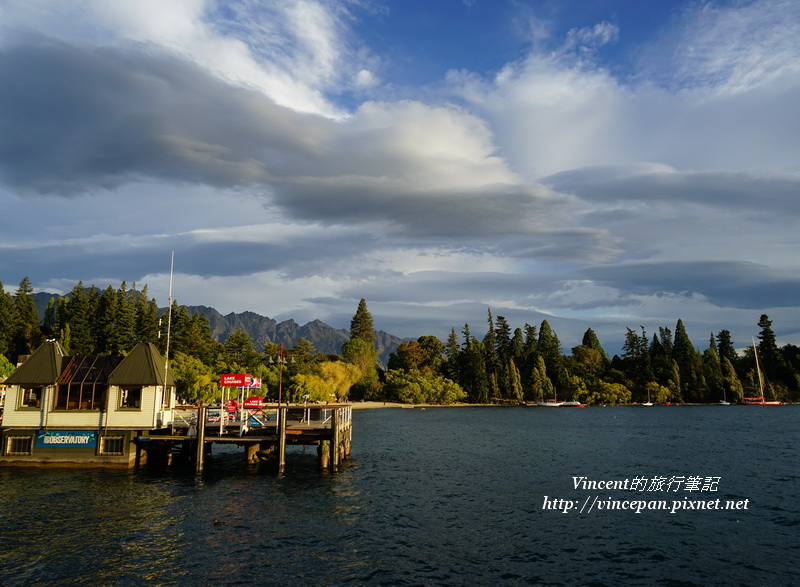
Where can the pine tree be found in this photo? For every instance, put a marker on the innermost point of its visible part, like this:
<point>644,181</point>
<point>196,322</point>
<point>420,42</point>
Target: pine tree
<point>361,325</point>
<point>725,348</point>
<point>490,346</point>
<point>6,320</point>
<point>474,378</point>
<point>685,355</point>
<point>80,317</point>
<point>49,320</point>
<point>25,332</point>
<point>146,318</point>
<point>360,350</point>
<point>590,340</point>
<point>549,348</point>
<point>106,332</point>
<point>775,369</point>
<point>126,317</point>
<point>453,353</point>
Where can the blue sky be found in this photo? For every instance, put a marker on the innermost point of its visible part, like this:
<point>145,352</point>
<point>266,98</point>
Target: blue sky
<point>608,164</point>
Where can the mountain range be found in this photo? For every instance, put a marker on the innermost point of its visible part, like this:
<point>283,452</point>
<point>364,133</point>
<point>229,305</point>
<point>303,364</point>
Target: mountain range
<point>325,338</point>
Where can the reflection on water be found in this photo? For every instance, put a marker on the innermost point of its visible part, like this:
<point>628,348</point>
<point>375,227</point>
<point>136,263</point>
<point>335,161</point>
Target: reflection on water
<point>438,496</point>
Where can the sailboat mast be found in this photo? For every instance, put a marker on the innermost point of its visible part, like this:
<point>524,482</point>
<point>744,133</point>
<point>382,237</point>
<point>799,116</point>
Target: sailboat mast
<point>758,369</point>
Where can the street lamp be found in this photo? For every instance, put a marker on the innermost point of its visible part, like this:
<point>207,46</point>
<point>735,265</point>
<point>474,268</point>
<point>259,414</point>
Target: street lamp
<point>281,362</point>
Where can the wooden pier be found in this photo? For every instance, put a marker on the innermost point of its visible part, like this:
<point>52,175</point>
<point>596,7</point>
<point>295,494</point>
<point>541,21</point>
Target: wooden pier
<point>263,433</point>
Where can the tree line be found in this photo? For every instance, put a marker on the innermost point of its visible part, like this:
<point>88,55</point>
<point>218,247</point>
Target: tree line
<point>504,365</point>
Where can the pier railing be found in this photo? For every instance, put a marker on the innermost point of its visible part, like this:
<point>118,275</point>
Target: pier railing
<point>266,429</point>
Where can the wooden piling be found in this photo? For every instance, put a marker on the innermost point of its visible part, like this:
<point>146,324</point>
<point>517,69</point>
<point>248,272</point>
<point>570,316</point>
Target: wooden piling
<point>282,412</point>
<point>324,453</point>
<point>334,463</point>
<point>201,438</point>
<point>251,451</point>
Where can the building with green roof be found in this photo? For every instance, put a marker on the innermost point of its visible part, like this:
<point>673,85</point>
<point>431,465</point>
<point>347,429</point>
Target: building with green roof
<point>85,410</point>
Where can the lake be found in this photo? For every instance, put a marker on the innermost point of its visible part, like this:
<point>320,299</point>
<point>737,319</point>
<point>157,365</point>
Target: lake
<point>439,496</point>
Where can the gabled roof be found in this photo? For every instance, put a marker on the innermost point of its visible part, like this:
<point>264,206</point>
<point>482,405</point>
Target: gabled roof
<point>43,367</point>
<point>143,366</point>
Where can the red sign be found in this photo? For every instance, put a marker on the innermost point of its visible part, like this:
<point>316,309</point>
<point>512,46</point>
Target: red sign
<point>255,401</point>
<point>234,380</point>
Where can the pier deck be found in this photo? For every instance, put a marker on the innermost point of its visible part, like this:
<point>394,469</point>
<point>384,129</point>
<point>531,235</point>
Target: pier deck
<point>263,432</point>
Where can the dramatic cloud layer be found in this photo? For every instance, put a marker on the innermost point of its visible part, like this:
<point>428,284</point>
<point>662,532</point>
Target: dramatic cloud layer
<point>620,168</point>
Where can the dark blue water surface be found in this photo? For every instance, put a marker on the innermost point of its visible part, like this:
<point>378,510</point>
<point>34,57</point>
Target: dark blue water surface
<point>436,496</point>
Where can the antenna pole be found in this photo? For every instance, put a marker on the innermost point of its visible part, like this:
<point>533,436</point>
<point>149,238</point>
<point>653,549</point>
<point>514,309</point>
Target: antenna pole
<point>169,321</point>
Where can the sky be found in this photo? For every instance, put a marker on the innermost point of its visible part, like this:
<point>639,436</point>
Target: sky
<point>604,164</point>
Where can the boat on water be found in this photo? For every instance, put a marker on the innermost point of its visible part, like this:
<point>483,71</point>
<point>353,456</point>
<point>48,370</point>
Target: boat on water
<point>551,402</point>
<point>760,400</point>
<point>572,405</point>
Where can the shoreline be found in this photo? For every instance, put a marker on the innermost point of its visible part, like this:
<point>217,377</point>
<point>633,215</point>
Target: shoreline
<point>371,405</point>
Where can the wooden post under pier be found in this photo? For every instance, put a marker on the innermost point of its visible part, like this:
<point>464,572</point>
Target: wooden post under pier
<point>334,460</point>
<point>282,413</point>
<point>201,438</point>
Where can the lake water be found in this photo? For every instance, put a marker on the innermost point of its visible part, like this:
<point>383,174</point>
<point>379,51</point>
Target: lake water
<point>437,496</point>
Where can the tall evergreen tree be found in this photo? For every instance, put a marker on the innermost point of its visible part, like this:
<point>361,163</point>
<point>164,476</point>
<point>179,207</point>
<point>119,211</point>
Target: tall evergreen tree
<point>126,317</point>
<point>361,325</point>
<point>78,314</point>
<point>106,332</point>
<point>6,320</point>
<point>146,318</point>
<point>474,378</point>
<point>725,348</point>
<point>514,383</point>
<point>775,368</point>
<point>685,355</point>
<point>239,354</point>
<point>591,341</point>
<point>26,334</point>
<point>360,350</point>
<point>636,357</point>
<point>49,319</point>
<point>502,335</point>
<point>452,366</point>
<point>712,374</point>
<point>549,348</point>
<point>490,346</point>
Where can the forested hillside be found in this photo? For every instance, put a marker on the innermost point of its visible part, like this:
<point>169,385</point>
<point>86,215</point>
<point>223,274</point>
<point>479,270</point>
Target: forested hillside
<point>502,364</point>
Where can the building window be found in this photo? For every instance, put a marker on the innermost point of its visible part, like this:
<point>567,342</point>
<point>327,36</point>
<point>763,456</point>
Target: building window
<point>19,445</point>
<point>112,445</point>
<point>31,397</point>
<point>130,398</point>
<point>80,396</point>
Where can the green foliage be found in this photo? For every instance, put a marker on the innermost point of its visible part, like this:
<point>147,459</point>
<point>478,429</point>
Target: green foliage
<point>605,393</point>
<point>195,381</point>
<point>6,367</point>
<point>415,387</point>
<point>329,381</point>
